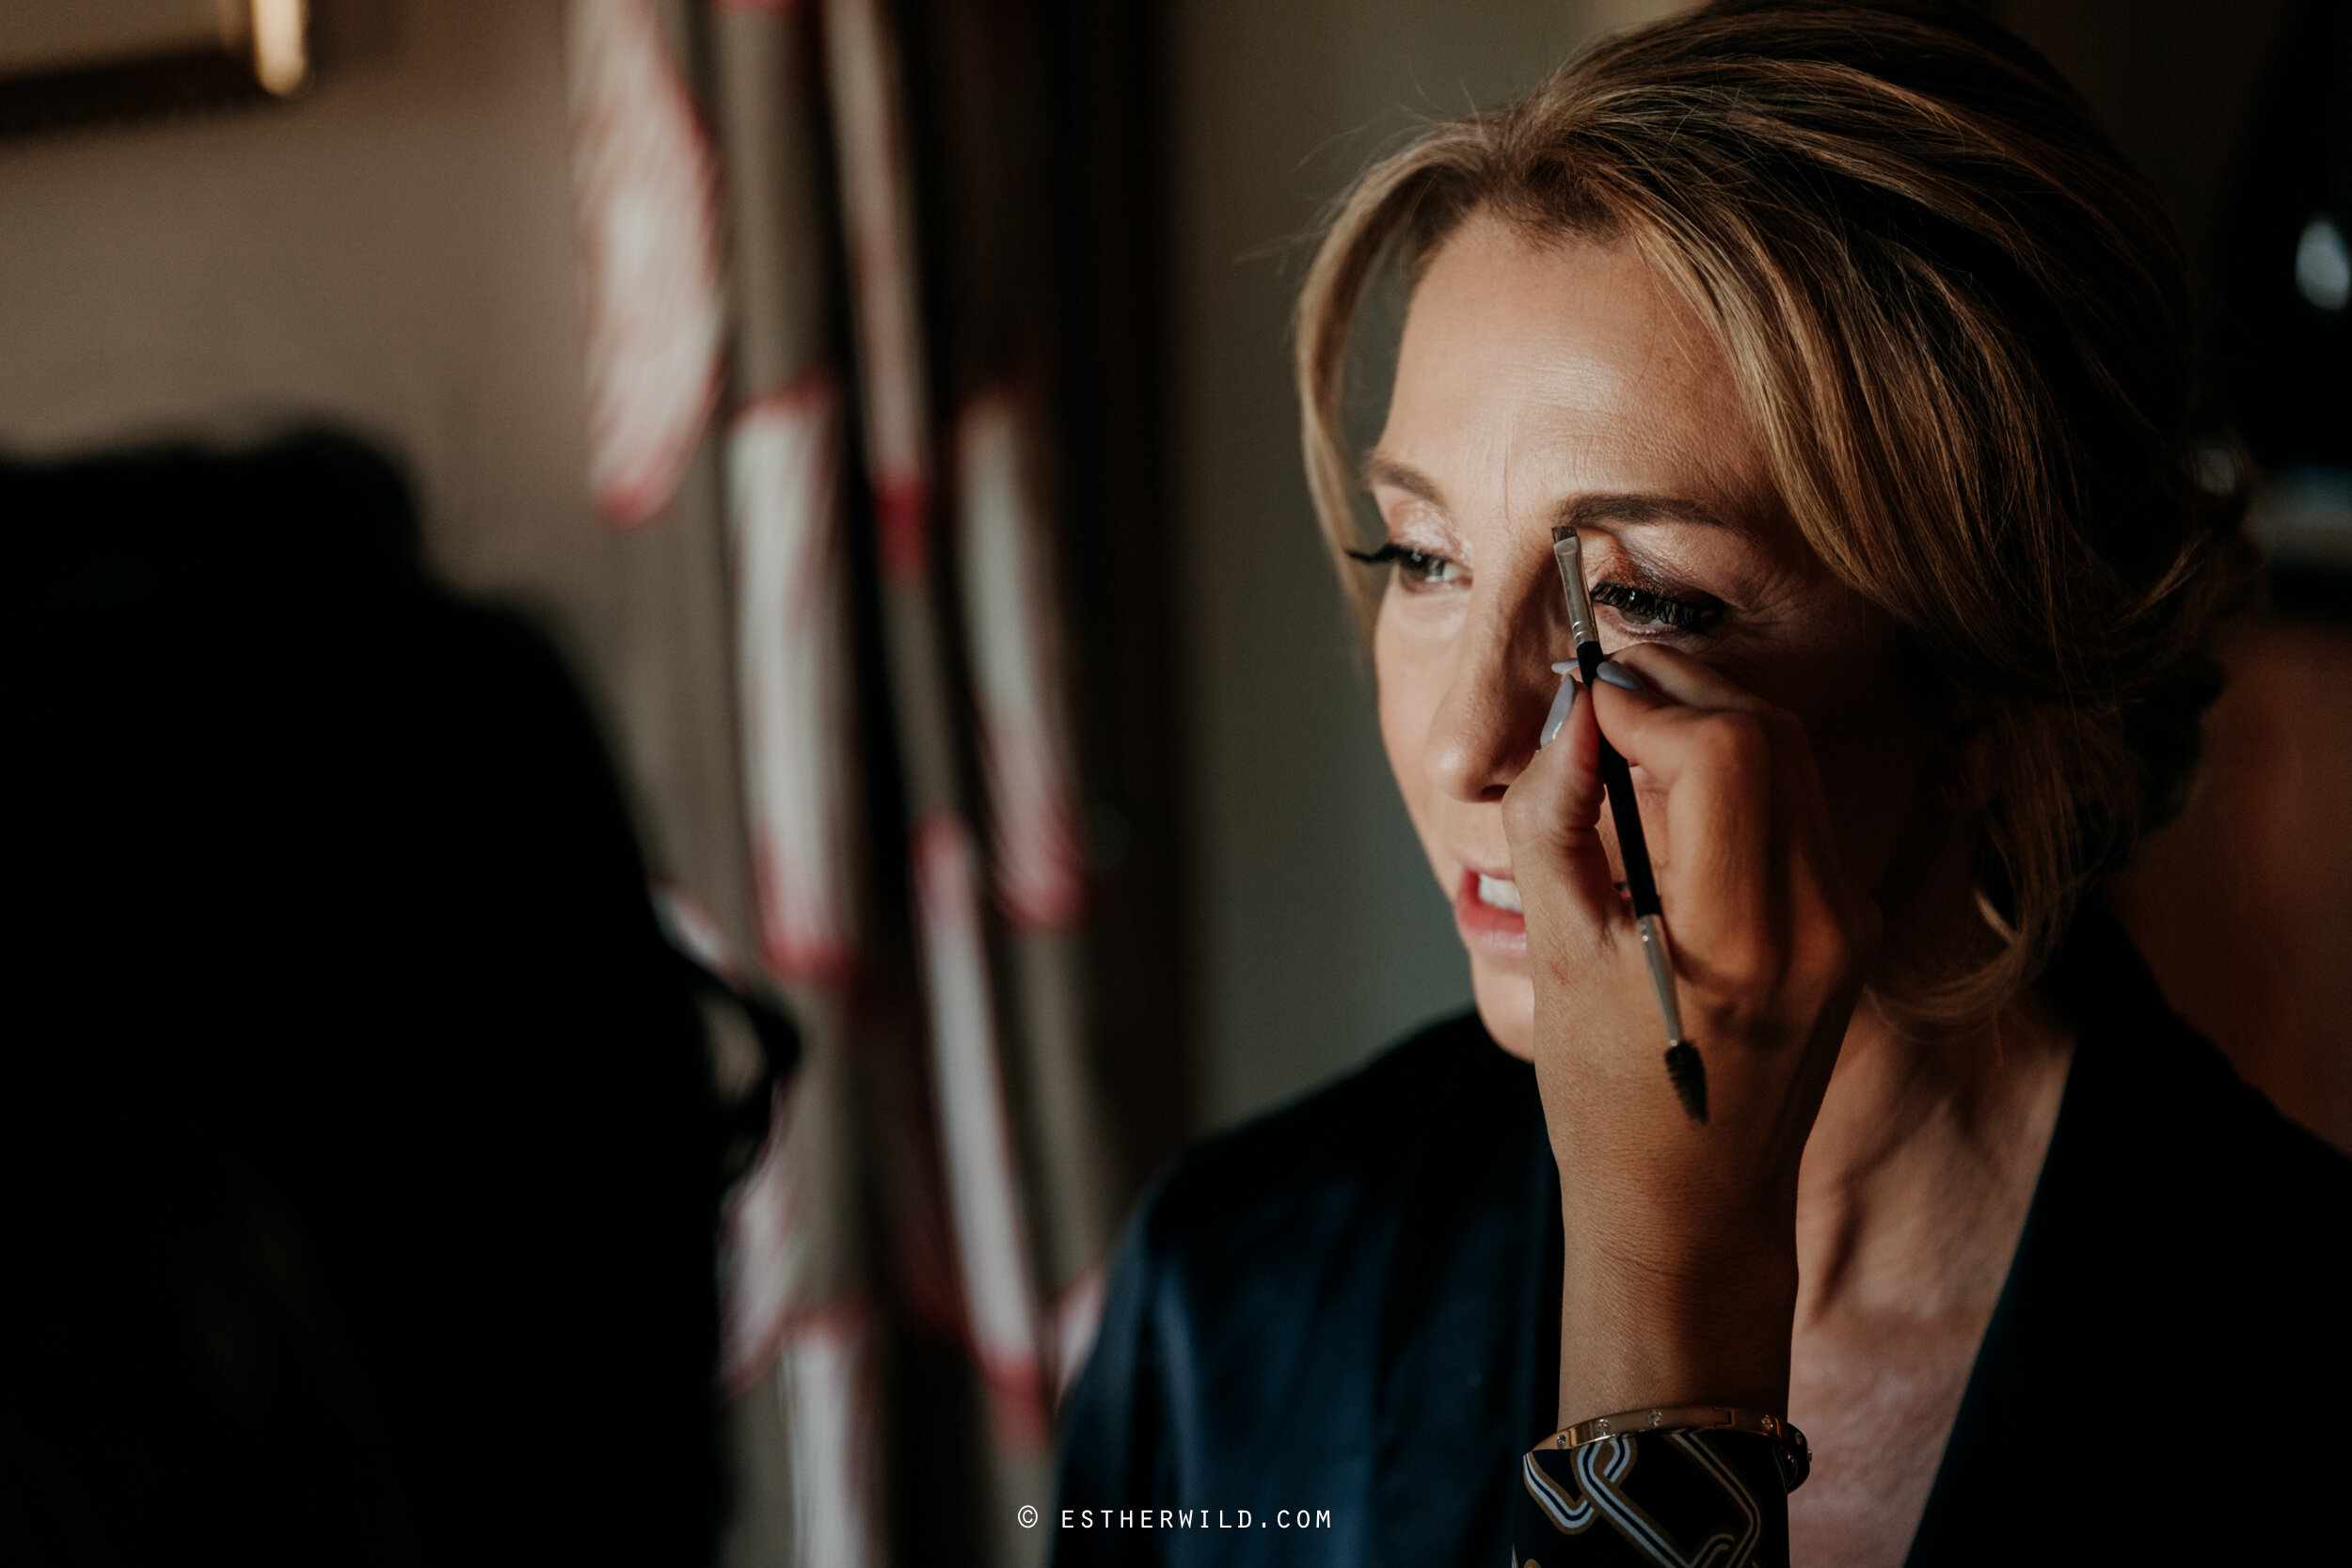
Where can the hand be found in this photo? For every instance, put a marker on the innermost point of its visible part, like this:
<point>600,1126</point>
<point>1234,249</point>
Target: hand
<point>1681,1271</point>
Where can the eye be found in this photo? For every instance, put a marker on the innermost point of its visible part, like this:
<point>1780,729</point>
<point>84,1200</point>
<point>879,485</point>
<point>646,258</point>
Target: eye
<point>1643,607</point>
<point>1419,568</point>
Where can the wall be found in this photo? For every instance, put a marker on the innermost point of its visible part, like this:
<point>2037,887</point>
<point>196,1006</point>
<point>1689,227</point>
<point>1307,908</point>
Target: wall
<point>392,252</point>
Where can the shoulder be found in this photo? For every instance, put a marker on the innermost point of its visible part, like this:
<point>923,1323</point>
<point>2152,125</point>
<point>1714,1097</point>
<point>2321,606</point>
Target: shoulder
<point>2175,1192</point>
<point>1258,1269</point>
<point>1351,1144</point>
<point>2221,1169</point>
<point>2162,1110</point>
<point>1284,1226</point>
<point>2181,1246</point>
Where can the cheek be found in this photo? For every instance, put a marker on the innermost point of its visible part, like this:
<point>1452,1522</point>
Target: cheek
<point>1412,680</point>
<point>1405,707</point>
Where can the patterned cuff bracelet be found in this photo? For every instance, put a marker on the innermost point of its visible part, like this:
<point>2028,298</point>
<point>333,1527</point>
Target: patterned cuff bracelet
<point>1796,1454</point>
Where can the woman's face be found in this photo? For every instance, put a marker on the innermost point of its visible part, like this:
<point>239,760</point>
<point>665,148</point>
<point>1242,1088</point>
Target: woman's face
<point>1546,382</point>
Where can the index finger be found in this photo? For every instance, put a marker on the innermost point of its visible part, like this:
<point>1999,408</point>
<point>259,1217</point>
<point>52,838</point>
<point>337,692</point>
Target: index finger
<point>1691,682</point>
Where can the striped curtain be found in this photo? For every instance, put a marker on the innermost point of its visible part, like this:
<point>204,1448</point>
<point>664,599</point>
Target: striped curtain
<point>818,347</point>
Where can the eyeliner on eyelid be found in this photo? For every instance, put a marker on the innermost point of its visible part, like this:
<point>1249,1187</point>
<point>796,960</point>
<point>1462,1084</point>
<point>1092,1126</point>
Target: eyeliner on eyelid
<point>1636,606</point>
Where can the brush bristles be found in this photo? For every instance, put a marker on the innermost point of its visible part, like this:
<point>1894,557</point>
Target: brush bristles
<point>1689,1076</point>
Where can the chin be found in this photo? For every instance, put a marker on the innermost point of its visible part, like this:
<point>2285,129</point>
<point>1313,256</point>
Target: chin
<point>1506,1005</point>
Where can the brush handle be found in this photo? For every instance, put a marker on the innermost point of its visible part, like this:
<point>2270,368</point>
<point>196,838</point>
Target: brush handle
<point>1684,1070</point>
<point>1617,779</point>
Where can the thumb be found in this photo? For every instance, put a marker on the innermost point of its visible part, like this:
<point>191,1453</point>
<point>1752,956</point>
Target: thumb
<point>1551,817</point>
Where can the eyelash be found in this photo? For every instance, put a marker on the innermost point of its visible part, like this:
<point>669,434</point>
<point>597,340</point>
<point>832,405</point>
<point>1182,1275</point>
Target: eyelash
<point>1636,607</point>
<point>1640,607</point>
<point>1418,566</point>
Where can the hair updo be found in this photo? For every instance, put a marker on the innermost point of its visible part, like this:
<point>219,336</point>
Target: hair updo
<point>1959,324</point>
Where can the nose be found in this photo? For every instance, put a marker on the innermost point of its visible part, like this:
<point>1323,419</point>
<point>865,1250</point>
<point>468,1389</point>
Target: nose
<point>1486,728</point>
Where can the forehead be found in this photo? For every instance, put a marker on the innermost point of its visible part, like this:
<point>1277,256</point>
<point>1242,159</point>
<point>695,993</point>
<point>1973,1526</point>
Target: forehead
<point>1563,365</point>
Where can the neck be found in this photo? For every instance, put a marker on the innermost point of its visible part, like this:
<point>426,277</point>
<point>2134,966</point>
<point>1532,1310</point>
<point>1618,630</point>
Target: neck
<point>1922,1163</point>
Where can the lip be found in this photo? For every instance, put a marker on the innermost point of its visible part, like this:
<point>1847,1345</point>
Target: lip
<point>1501,933</point>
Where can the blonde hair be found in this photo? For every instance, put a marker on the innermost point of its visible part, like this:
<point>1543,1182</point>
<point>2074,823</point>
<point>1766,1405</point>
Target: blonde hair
<point>1960,324</point>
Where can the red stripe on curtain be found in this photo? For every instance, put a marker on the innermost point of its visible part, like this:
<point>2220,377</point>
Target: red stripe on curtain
<point>793,672</point>
<point>647,190</point>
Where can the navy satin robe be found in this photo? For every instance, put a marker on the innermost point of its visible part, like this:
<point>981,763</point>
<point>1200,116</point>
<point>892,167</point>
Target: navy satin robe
<point>1352,1306</point>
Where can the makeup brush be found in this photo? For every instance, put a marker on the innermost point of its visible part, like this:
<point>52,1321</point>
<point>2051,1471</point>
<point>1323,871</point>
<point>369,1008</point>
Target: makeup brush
<point>1684,1070</point>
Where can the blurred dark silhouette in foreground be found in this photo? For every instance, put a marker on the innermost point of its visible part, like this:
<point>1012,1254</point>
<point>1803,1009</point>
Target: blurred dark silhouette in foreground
<point>356,1131</point>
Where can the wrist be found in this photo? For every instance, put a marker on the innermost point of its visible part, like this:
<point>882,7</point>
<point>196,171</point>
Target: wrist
<point>1712,1328</point>
<point>1695,1261</point>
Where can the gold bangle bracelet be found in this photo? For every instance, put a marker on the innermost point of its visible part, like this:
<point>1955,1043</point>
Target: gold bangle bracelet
<point>1796,1452</point>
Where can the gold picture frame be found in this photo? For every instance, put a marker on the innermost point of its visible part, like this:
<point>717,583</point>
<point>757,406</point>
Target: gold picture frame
<point>65,63</point>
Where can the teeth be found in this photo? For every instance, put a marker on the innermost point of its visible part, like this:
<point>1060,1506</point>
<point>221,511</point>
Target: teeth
<point>1501,891</point>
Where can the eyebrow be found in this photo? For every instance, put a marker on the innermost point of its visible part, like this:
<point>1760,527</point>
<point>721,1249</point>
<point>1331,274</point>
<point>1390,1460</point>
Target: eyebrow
<point>1632,506</point>
<point>1380,469</point>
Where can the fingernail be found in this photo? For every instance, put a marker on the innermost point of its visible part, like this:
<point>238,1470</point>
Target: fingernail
<point>1563,703</point>
<point>1565,667</point>
<point>1619,675</point>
